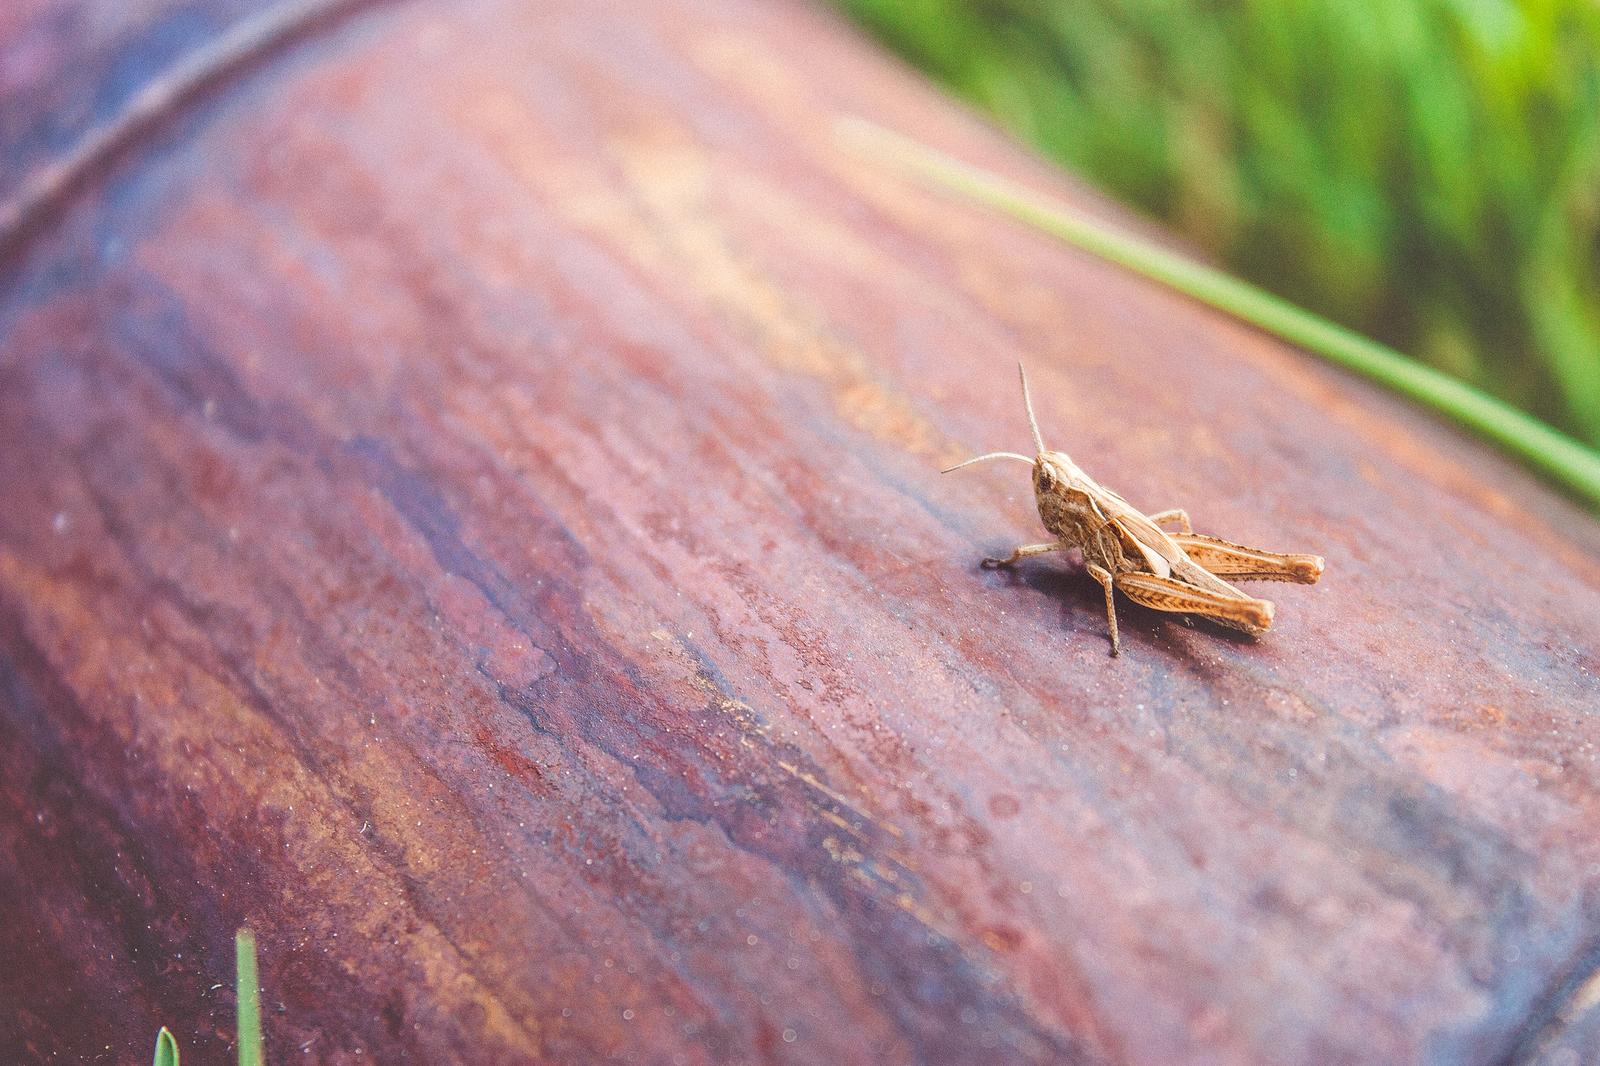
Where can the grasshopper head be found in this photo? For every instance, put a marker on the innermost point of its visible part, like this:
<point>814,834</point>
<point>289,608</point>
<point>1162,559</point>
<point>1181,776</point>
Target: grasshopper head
<point>1054,473</point>
<point>1064,498</point>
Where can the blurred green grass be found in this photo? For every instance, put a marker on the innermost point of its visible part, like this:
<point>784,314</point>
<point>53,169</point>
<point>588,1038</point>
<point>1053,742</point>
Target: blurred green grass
<point>1426,172</point>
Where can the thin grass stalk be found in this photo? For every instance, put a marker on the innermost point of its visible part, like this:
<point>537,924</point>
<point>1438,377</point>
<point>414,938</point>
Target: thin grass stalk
<point>1548,451</point>
<point>249,985</point>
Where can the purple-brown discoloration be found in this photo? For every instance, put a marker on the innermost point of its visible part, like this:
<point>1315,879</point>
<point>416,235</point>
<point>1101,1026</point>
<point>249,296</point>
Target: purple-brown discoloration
<point>471,512</point>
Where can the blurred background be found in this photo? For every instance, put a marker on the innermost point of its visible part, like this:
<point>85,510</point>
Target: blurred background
<point>1426,172</point>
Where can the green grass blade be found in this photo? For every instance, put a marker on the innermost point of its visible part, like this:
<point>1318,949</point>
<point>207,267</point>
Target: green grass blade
<point>166,1048</point>
<point>1554,454</point>
<point>249,984</point>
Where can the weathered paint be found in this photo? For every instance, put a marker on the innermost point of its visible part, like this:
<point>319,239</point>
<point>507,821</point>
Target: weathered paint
<point>471,513</point>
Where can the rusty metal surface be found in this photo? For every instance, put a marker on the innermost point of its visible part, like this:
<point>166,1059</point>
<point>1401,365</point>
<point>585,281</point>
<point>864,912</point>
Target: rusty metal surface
<point>471,512</point>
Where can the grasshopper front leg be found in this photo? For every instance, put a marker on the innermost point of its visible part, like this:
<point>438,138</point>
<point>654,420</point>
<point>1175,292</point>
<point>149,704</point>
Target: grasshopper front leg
<point>1023,552</point>
<point>1228,560</point>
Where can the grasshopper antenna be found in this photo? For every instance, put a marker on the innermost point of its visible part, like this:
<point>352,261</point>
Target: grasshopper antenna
<point>1027,401</point>
<point>991,455</point>
<point>1033,425</point>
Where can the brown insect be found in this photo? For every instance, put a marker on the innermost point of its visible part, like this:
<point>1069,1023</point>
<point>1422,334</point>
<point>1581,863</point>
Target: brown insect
<point>1127,550</point>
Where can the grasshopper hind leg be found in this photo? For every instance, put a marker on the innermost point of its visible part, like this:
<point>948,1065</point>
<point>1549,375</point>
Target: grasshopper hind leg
<point>1228,560</point>
<point>1233,609</point>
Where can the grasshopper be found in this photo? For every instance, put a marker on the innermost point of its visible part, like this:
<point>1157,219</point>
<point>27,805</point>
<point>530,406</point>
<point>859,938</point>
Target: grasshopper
<point>1127,550</point>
